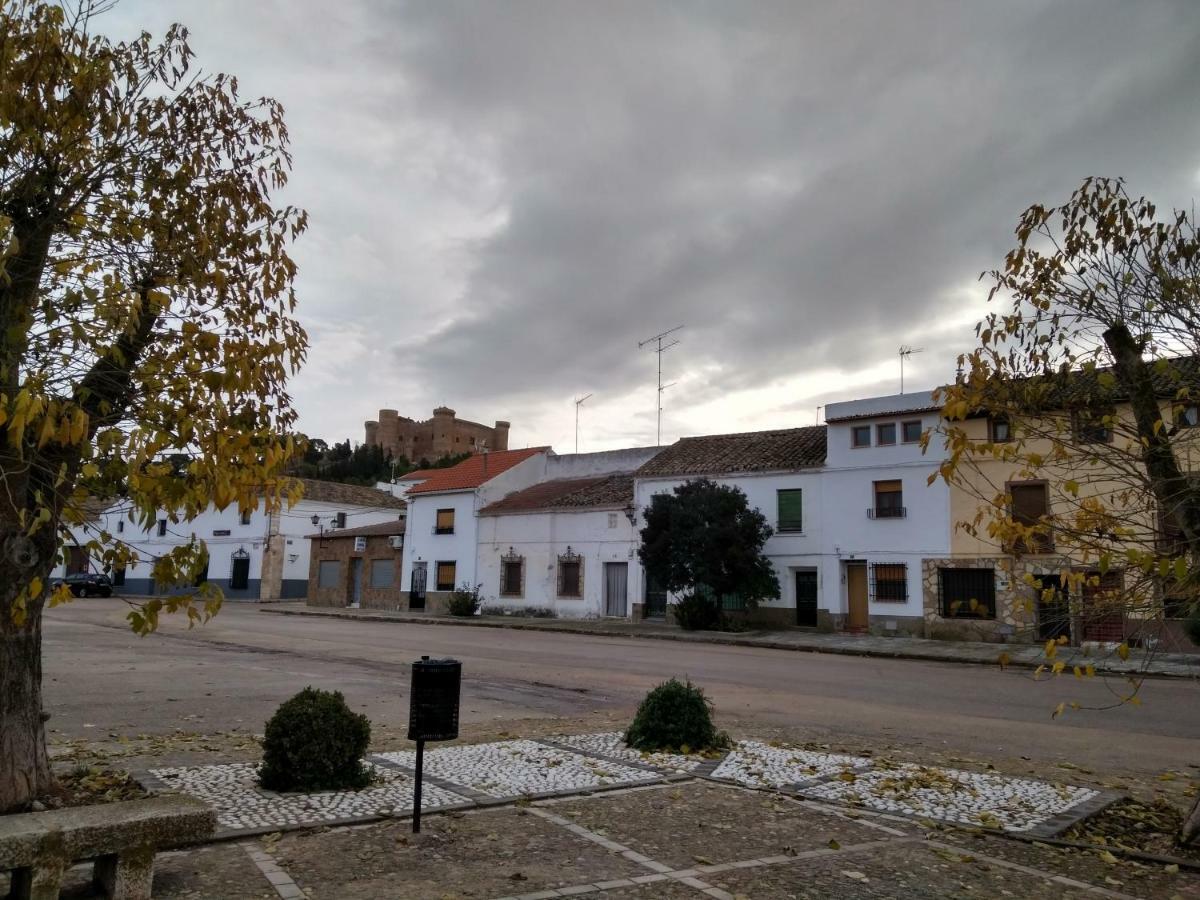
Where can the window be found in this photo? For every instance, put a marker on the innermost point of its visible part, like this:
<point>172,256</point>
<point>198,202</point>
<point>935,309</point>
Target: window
<point>860,436</point>
<point>329,573</point>
<point>445,576</point>
<point>246,517</point>
<point>612,520</point>
<point>1091,428</point>
<point>445,522</point>
<point>999,430</point>
<point>120,526</point>
<point>1188,416</point>
<point>889,500</point>
<point>967,593</point>
<point>910,432</point>
<point>162,527</point>
<point>790,507</point>
<point>383,573</point>
<point>1030,503</point>
<point>889,582</point>
<point>885,434</point>
<point>512,576</point>
<point>570,575</point>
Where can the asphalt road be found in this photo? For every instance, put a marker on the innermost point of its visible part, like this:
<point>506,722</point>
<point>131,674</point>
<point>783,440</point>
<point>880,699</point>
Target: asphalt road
<point>233,671</point>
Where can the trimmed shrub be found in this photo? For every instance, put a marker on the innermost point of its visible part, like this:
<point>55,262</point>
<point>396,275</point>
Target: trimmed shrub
<point>677,717</point>
<point>315,742</point>
<point>695,612</point>
<point>464,601</point>
<point>1191,627</point>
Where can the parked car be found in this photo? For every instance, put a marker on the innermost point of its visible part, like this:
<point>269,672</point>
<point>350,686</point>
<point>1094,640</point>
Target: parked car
<point>87,584</point>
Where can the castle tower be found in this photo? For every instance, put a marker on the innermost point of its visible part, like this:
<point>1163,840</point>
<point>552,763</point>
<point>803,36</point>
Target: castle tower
<point>443,432</point>
<point>500,439</point>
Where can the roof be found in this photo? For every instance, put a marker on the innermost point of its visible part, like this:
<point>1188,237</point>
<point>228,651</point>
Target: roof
<point>417,474</point>
<point>475,470</point>
<point>906,411</point>
<point>568,494</point>
<point>348,494</point>
<point>385,529</point>
<point>751,451</point>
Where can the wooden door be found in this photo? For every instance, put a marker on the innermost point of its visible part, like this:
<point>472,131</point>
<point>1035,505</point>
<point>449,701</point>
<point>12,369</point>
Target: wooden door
<point>806,598</point>
<point>856,596</point>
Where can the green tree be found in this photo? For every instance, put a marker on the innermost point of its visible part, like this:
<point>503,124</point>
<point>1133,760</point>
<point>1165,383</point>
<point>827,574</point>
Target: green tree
<point>1094,368</point>
<point>704,541</point>
<point>146,310</point>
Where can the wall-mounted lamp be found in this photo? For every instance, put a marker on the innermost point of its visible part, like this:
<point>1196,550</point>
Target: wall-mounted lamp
<point>631,514</point>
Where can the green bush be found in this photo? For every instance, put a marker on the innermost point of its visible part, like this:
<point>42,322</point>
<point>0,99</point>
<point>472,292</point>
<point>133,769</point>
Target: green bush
<point>464,601</point>
<point>675,716</point>
<point>695,612</point>
<point>315,742</point>
<point>1191,627</point>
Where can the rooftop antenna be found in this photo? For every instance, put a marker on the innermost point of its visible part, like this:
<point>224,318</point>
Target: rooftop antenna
<point>660,348</point>
<point>578,403</point>
<point>906,351</point>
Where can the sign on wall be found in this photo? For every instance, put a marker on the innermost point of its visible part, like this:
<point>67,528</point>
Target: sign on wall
<point>360,543</point>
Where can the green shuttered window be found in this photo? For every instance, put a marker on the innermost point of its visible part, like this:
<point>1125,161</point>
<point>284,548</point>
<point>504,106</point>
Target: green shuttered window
<point>791,509</point>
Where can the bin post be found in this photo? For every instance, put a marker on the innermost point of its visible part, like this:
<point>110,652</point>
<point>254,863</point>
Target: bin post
<point>417,788</point>
<point>433,713</point>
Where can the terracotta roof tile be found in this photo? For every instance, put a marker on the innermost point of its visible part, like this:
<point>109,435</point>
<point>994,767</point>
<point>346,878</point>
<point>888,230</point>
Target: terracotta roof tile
<point>751,451</point>
<point>418,474</point>
<point>349,494</point>
<point>596,492</point>
<point>387,529</point>
<point>474,471</point>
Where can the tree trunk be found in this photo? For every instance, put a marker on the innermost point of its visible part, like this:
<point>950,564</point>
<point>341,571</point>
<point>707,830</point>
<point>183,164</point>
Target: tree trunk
<point>1191,825</point>
<point>24,763</point>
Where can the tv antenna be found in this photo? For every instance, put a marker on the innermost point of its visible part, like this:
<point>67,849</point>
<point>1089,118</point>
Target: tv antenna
<point>578,403</point>
<point>905,352</point>
<point>660,348</point>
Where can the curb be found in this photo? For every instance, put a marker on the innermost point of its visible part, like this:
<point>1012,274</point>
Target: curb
<point>919,655</point>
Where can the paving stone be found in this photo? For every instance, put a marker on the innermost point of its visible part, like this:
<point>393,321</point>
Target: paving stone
<point>707,824</point>
<point>612,745</point>
<point>232,789</point>
<point>951,795</point>
<point>756,764</point>
<point>520,768</point>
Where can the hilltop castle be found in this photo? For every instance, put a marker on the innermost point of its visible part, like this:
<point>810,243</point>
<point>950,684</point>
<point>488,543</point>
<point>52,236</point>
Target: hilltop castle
<point>433,439</point>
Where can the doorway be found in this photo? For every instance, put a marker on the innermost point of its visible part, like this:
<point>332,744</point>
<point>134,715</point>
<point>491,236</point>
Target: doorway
<point>616,589</point>
<point>1053,613</point>
<point>806,598</point>
<point>856,597</point>
<point>239,572</point>
<point>355,582</point>
<point>656,599</point>
<point>416,590</point>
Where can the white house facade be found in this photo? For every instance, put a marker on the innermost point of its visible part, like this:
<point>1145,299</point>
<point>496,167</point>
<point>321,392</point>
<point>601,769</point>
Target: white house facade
<point>256,555</point>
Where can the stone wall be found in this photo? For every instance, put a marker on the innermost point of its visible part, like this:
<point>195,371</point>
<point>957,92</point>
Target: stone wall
<point>1016,617</point>
<point>341,550</point>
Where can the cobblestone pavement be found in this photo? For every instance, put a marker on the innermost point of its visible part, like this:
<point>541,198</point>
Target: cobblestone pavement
<point>458,776</point>
<point>682,841</point>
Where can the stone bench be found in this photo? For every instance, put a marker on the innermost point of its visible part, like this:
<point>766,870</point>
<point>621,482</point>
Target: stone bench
<point>122,838</point>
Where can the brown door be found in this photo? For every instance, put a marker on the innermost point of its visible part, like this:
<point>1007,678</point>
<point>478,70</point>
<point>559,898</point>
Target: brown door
<point>856,594</point>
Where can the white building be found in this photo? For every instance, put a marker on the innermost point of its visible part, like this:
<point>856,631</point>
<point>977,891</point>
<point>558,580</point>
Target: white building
<point>442,547</point>
<point>849,501</point>
<point>562,546</point>
<point>256,555</point>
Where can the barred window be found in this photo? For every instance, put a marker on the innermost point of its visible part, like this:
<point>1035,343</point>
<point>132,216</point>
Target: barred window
<point>889,582</point>
<point>446,576</point>
<point>570,577</point>
<point>967,593</point>
<point>512,576</point>
<point>445,522</point>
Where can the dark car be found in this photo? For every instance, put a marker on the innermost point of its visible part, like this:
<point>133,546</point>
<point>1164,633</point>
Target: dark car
<point>87,584</point>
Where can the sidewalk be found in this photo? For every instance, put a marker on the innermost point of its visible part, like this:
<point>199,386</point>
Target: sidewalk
<point>1170,665</point>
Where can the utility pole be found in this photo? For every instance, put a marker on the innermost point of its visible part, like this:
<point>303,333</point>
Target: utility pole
<point>660,348</point>
<point>578,403</point>
<point>906,351</point>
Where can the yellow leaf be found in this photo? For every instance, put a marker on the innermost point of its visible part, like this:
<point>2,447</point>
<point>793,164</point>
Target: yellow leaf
<point>1058,710</point>
<point>1078,672</point>
<point>1123,651</point>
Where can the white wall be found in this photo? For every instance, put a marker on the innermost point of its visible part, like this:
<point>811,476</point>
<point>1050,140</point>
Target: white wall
<point>540,537</point>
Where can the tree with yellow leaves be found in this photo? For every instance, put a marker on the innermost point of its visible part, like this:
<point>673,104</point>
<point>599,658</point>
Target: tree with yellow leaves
<point>146,311</point>
<point>1084,394</point>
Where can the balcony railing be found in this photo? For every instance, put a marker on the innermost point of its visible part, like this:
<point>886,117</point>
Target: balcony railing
<point>443,529</point>
<point>887,512</point>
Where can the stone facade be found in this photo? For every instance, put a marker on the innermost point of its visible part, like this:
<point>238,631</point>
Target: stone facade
<point>1016,601</point>
<point>435,438</point>
<point>340,549</point>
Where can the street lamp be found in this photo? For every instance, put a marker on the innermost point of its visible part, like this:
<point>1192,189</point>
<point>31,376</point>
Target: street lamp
<point>316,520</point>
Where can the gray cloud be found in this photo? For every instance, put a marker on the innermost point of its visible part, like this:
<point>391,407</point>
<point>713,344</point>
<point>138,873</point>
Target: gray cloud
<point>505,197</point>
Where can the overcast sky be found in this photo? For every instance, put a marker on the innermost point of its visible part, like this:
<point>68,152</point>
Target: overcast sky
<point>505,197</point>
